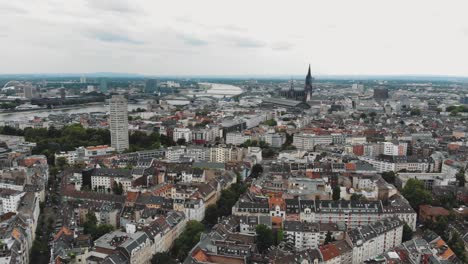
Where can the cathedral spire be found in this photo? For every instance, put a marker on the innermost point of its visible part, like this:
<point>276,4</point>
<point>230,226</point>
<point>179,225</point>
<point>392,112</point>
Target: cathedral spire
<point>308,87</point>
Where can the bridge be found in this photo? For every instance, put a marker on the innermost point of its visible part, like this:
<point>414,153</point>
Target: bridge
<point>10,82</point>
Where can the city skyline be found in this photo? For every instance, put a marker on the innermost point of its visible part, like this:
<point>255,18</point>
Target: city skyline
<point>230,39</point>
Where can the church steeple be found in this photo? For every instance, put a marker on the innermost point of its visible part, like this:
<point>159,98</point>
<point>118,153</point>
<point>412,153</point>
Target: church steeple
<point>308,86</point>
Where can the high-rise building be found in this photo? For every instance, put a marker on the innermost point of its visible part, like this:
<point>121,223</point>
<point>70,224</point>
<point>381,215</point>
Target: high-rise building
<point>103,86</point>
<point>119,122</point>
<point>381,94</point>
<point>151,86</point>
<point>82,79</point>
<point>62,93</point>
<point>29,92</point>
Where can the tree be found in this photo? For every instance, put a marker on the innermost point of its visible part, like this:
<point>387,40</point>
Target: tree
<point>415,112</point>
<point>102,230</point>
<point>226,202</point>
<point>167,141</point>
<point>389,176</point>
<point>457,245</point>
<point>407,233</point>
<point>181,141</point>
<point>440,225</point>
<point>288,142</point>
<point>271,122</point>
<point>460,176</point>
<point>91,218</point>
<point>279,236</point>
<point>328,238</point>
<point>265,238</point>
<point>117,188</point>
<point>268,153</point>
<point>188,239</point>
<point>336,193</point>
<point>38,249</point>
<point>448,201</point>
<point>90,225</point>
<point>61,162</point>
<point>53,171</point>
<point>249,143</point>
<point>257,169</point>
<point>211,215</point>
<point>415,193</point>
<point>263,145</point>
<point>162,258</point>
<point>356,197</point>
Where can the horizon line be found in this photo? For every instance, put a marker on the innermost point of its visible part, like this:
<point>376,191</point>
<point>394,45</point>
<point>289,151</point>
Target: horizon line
<point>273,76</point>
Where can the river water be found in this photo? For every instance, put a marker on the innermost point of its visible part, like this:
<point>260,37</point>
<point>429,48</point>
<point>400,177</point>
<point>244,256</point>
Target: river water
<point>28,115</point>
<point>216,90</point>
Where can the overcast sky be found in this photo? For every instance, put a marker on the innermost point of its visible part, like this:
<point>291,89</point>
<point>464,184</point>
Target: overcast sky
<point>235,37</point>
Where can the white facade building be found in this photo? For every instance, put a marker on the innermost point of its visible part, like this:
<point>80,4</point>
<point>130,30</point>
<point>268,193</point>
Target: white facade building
<point>173,153</point>
<point>274,140</point>
<point>180,133</point>
<point>308,141</point>
<point>9,200</point>
<point>236,138</point>
<point>374,239</point>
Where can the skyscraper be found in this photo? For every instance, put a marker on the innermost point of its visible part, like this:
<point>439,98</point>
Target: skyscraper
<point>308,87</point>
<point>151,86</point>
<point>119,122</point>
<point>103,86</point>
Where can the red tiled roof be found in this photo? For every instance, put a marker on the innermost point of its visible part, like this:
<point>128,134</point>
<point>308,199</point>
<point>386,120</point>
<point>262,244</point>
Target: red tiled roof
<point>131,197</point>
<point>329,251</point>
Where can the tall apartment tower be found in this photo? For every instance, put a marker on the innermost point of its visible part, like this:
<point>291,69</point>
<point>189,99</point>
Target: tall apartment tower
<point>119,122</point>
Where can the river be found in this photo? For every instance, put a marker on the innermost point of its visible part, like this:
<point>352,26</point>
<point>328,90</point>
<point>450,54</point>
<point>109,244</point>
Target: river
<point>28,115</point>
<point>217,90</point>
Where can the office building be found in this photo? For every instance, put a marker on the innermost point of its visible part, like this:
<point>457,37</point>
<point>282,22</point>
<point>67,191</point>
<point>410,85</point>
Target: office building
<point>151,86</point>
<point>103,86</point>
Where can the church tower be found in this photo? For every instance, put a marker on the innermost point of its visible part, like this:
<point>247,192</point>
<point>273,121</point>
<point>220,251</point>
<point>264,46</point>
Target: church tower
<point>308,87</point>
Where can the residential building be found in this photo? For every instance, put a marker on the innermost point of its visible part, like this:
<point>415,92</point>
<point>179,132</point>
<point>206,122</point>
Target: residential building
<point>118,113</point>
<point>10,200</point>
<point>182,133</point>
<point>374,239</point>
<point>103,180</point>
